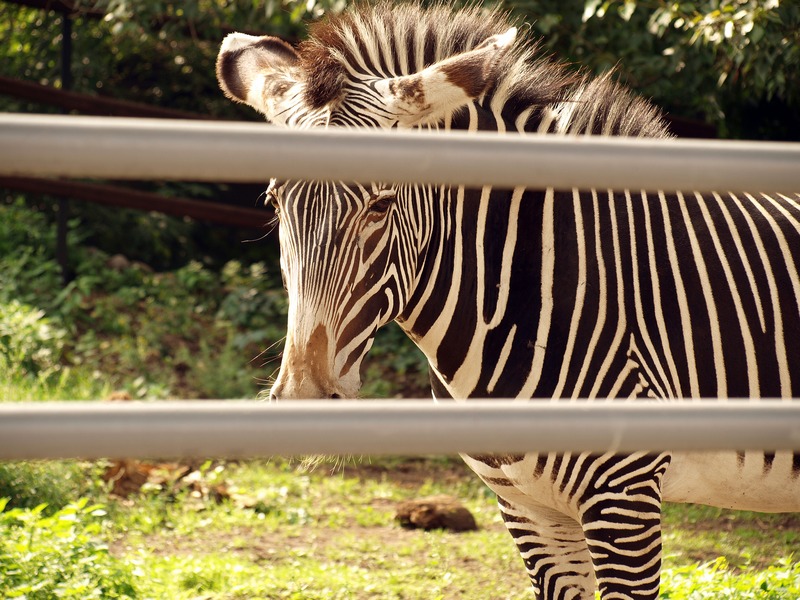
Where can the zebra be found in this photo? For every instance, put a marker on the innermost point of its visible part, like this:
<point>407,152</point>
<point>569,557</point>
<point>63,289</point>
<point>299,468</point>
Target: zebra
<point>526,293</point>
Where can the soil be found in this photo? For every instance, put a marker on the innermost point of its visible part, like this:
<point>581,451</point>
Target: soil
<point>412,473</point>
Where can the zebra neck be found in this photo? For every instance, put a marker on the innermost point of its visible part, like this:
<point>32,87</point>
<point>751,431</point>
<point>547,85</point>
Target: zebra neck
<point>488,269</point>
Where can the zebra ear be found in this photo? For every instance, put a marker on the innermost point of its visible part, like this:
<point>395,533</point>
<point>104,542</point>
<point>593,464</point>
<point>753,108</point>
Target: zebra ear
<point>258,71</point>
<point>429,95</point>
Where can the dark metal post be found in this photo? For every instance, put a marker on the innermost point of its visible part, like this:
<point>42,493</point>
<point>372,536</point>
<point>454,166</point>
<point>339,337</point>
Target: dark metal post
<point>62,250</point>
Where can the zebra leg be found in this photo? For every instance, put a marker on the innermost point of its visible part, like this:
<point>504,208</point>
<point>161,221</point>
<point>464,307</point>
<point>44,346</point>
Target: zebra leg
<point>554,550</point>
<point>622,525</point>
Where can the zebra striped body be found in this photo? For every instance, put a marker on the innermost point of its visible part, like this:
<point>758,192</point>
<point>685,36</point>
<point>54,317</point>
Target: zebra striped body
<point>530,293</point>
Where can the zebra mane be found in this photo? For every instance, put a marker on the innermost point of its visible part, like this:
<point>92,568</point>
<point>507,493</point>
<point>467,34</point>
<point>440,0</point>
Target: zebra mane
<point>386,40</point>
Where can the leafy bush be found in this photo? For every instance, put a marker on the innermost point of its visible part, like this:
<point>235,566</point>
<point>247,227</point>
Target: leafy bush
<point>715,581</point>
<point>146,50</point>
<point>30,484</point>
<point>23,228</point>
<point>738,57</point>
<point>29,342</point>
<point>254,302</point>
<point>58,556</point>
<point>221,371</point>
<point>27,272</point>
<point>395,367</point>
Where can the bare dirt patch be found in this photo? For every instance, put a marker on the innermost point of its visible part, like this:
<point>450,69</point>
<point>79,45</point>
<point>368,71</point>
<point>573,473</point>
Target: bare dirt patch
<point>412,472</point>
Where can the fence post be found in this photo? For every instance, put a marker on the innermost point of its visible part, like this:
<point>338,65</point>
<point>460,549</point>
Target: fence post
<point>62,217</point>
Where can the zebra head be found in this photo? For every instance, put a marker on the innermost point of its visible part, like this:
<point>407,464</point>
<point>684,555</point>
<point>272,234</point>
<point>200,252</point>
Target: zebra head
<point>351,255</point>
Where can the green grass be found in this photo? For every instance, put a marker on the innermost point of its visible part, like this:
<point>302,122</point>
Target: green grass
<point>280,532</point>
<point>277,532</point>
<point>66,384</point>
<point>323,535</point>
<point>716,581</point>
<point>54,484</point>
<point>747,540</point>
<point>317,535</point>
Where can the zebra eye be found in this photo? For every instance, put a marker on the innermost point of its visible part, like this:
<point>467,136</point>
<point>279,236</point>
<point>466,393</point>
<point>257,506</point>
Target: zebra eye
<point>382,201</point>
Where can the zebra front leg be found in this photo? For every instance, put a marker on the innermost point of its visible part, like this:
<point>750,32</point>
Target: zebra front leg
<point>622,525</point>
<point>554,550</point>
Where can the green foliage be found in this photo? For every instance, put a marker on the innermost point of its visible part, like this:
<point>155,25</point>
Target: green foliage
<point>190,332</point>
<point>755,43</point>
<point>149,51</point>
<point>171,328</point>
<point>29,342</point>
<point>220,371</point>
<point>395,367</point>
<point>59,556</point>
<point>30,484</point>
<point>254,299</point>
<point>740,58</point>
<point>160,241</point>
<point>69,383</point>
<point>714,580</point>
<point>27,244</point>
<point>282,534</point>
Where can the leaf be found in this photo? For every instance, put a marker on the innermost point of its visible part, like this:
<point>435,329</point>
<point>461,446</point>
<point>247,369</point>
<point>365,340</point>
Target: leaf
<point>590,9</point>
<point>756,34</point>
<point>727,30</point>
<point>627,9</point>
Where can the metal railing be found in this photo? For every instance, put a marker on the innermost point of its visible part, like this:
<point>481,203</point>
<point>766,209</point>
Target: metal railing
<point>119,148</point>
<point>38,145</point>
<point>237,429</point>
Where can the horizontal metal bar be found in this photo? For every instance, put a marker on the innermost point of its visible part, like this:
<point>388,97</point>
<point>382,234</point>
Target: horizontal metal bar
<point>118,148</point>
<point>235,429</point>
<point>114,195</point>
<point>88,103</point>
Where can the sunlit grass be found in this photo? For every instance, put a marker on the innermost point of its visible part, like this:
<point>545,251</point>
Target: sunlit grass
<point>330,533</point>
<point>65,384</point>
<point>322,535</point>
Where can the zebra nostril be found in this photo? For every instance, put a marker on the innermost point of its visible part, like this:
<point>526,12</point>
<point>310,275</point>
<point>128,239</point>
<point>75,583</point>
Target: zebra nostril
<point>276,392</point>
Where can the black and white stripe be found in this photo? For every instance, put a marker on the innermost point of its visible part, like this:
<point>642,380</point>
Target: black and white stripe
<point>551,294</point>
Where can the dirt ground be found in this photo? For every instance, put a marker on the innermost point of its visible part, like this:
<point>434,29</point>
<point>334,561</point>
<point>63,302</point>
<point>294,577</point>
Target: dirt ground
<point>411,473</point>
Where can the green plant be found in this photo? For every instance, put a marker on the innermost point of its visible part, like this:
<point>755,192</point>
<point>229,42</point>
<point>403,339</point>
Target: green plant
<point>714,580</point>
<point>21,227</point>
<point>395,366</point>
<point>195,279</point>
<point>59,556</point>
<point>30,484</point>
<point>220,371</point>
<point>278,533</point>
<point>253,298</point>
<point>739,58</point>
<point>27,272</point>
<point>30,344</point>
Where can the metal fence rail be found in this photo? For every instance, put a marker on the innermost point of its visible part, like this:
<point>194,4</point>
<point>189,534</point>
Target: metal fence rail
<point>235,429</point>
<point>119,148</point>
<point>44,145</point>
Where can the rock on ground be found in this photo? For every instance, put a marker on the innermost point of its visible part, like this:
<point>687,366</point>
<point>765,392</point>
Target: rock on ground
<point>435,512</point>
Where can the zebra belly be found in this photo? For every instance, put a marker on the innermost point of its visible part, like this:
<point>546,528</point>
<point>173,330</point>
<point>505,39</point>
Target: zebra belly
<point>513,482</point>
<point>753,481</point>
